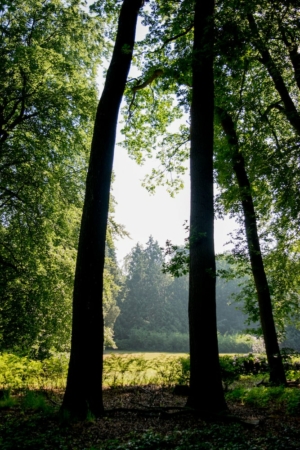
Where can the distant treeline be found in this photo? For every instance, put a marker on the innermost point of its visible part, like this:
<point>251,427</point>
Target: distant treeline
<point>154,307</point>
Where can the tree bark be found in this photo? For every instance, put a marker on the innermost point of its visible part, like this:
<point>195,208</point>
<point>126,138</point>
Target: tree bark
<point>290,110</point>
<point>206,392</point>
<point>84,382</point>
<point>277,374</point>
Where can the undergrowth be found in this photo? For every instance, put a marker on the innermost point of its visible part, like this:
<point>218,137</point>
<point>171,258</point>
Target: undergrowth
<point>36,401</point>
<point>121,370</point>
<point>21,372</point>
<point>7,401</point>
<point>277,397</point>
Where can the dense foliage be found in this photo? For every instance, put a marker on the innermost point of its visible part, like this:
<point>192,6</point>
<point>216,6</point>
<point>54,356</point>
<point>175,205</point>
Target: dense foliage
<point>49,55</point>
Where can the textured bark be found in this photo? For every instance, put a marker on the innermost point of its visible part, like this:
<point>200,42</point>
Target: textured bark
<point>290,110</point>
<point>84,383</point>
<point>277,375</point>
<point>206,392</point>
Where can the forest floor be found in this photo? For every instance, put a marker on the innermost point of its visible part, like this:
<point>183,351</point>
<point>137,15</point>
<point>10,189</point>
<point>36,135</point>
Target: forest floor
<point>143,418</point>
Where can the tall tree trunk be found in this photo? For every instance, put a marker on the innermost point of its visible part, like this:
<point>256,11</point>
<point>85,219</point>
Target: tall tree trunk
<point>84,383</point>
<point>290,110</point>
<point>277,375</point>
<point>206,392</point>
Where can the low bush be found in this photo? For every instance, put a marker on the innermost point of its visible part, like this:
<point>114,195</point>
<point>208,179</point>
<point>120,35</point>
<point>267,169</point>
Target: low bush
<point>35,400</point>
<point>6,401</point>
<point>263,396</point>
<point>235,343</point>
<point>120,370</point>
<point>170,370</point>
<point>22,373</point>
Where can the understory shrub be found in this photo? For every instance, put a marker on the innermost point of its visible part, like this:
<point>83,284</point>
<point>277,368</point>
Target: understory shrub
<point>6,401</point>
<point>132,369</point>
<point>235,343</point>
<point>262,397</point>
<point>21,372</point>
<point>171,370</point>
<point>35,400</point>
<point>121,370</point>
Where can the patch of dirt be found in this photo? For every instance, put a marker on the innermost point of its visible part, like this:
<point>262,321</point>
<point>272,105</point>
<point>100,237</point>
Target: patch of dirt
<point>140,409</point>
<point>121,423</point>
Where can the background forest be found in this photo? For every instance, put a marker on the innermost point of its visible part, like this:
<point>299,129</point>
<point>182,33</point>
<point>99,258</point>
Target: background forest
<point>153,307</point>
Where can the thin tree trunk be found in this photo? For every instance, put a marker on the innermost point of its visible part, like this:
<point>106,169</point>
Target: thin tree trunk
<point>290,110</point>
<point>84,383</point>
<point>277,374</point>
<point>206,392</point>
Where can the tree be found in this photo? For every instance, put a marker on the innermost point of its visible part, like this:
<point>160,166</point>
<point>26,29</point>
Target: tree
<point>277,374</point>
<point>266,58</point>
<point>84,388</point>
<point>231,319</point>
<point>259,128</point>
<point>143,297</point>
<point>206,392</point>
<point>150,300</point>
<point>111,284</point>
<point>45,75</point>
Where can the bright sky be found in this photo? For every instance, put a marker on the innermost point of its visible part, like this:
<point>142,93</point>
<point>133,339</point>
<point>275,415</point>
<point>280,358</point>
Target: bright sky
<point>158,215</point>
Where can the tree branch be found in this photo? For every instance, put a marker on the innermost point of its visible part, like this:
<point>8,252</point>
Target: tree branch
<point>275,105</point>
<point>173,38</point>
<point>157,73</point>
<point>290,110</point>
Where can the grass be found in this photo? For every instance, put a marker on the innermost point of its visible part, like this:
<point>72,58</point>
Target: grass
<point>143,340</point>
<point>28,399</point>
